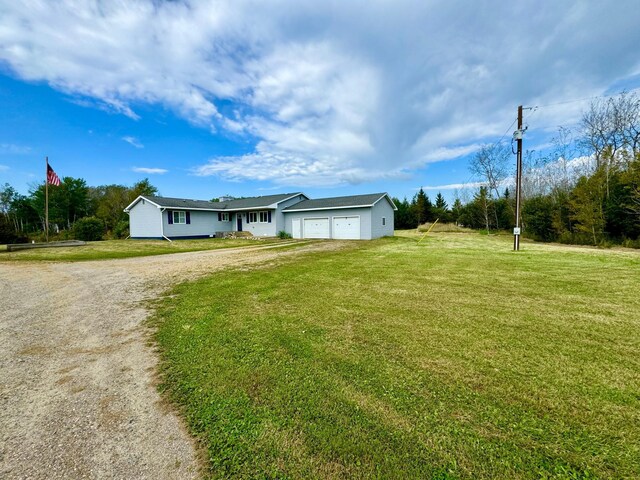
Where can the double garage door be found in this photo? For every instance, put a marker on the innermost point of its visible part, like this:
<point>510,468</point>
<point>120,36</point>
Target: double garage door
<point>345,228</point>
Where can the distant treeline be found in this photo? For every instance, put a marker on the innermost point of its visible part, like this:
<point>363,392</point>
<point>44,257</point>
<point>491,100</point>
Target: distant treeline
<point>75,210</point>
<point>586,190</point>
<point>481,212</point>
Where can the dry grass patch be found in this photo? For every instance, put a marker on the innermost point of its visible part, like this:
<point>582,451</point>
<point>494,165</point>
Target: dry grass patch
<point>440,227</point>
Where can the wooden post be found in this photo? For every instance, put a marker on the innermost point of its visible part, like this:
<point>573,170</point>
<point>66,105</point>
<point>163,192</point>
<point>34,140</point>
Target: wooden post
<point>516,232</point>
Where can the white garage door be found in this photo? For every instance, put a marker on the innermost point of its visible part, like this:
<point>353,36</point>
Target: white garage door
<point>316,228</point>
<point>347,228</point>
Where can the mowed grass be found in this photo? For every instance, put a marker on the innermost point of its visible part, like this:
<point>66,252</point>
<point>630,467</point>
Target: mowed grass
<point>110,249</point>
<point>453,358</point>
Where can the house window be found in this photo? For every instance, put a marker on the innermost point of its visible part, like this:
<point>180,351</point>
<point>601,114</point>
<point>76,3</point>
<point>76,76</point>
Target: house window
<point>264,217</point>
<point>179,217</point>
<point>253,217</point>
<point>384,221</point>
<point>225,217</point>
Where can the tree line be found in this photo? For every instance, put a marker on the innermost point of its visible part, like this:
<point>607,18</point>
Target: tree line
<point>76,210</point>
<point>585,190</point>
<point>480,212</point>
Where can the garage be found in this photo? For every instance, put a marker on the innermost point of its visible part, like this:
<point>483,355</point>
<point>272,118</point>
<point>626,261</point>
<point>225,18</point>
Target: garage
<point>354,217</point>
<point>316,228</point>
<point>346,228</point>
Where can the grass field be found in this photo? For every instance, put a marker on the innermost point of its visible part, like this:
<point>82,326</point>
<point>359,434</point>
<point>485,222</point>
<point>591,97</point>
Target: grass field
<point>109,249</point>
<point>454,358</point>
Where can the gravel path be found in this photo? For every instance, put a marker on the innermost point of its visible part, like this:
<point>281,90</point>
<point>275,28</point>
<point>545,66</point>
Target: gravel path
<point>77,394</point>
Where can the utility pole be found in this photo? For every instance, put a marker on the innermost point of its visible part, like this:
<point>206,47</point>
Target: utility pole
<point>517,135</point>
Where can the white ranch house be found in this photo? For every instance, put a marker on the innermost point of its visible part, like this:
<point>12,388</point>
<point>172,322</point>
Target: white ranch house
<point>356,217</point>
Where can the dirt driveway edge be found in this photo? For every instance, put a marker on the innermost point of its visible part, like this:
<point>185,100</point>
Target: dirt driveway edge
<point>78,395</point>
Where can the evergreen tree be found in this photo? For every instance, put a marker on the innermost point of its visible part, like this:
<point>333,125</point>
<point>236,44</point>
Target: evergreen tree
<point>143,187</point>
<point>456,211</point>
<point>422,207</point>
<point>441,209</point>
<point>404,217</point>
<point>587,203</point>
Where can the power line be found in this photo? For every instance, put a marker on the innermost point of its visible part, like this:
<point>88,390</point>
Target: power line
<point>505,133</point>
<point>495,145</point>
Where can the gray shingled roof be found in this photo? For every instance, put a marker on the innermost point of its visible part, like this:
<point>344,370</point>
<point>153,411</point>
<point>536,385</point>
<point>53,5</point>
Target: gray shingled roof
<point>337,202</point>
<point>258,202</point>
<point>182,202</point>
<point>241,203</point>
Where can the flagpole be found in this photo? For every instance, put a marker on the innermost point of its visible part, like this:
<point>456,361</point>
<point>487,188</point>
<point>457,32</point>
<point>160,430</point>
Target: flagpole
<point>46,201</point>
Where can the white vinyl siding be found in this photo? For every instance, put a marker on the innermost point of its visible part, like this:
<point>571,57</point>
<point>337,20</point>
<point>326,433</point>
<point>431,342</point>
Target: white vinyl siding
<point>280,223</point>
<point>201,224</point>
<point>259,224</point>
<point>380,210</point>
<point>145,220</point>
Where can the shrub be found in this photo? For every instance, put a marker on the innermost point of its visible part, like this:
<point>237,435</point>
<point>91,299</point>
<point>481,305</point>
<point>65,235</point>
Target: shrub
<point>88,229</point>
<point>8,234</point>
<point>537,214</point>
<point>627,242</point>
<point>283,235</point>
<point>121,229</point>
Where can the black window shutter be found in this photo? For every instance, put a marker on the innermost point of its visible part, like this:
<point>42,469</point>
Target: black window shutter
<point>248,217</point>
<point>269,216</point>
<point>170,212</point>
<point>219,216</point>
<point>188,217</point>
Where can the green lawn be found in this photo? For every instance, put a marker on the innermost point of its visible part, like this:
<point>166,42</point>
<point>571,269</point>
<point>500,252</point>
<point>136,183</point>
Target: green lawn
<point>454,358</point>
<point>109,249</point>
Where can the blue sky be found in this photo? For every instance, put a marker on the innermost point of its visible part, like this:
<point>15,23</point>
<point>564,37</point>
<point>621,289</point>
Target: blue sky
<point>207,98</point>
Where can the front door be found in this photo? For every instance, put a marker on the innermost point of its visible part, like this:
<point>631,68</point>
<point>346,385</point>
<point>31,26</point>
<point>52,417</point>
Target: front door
<point>239,222</point>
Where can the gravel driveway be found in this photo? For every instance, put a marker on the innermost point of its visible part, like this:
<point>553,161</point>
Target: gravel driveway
<point>77,394</point>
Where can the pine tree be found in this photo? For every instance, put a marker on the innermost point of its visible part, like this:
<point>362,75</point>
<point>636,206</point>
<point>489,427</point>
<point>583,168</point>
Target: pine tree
<point>441,209</point>
<point>422,207</point>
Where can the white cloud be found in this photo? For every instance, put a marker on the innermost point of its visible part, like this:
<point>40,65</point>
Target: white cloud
<point>133,141</point>
<point>3,168</point>
<point>12,149</point>
<point>329,92</point>
<point>456,186</point>
<point>150,171</point>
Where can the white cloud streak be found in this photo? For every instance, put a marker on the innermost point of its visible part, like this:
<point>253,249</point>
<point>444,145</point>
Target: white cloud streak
<point>12,149</point>
<point>327,99</point>
<point>456,186</point>
<point>133,141</point>
<point>150,171</point>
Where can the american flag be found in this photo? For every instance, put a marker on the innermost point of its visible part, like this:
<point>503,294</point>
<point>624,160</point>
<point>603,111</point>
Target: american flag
<point>52,178</point>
